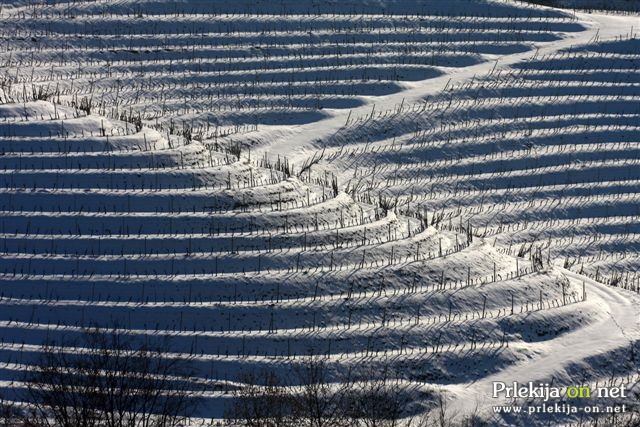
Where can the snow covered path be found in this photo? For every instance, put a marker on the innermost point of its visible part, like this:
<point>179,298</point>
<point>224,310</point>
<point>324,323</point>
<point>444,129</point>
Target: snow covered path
<point>618,325</point>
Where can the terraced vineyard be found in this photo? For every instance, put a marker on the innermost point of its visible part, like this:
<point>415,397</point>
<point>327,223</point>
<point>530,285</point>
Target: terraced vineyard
<point>213,65</point>
<point>444,191</point>
<point>539,157</point>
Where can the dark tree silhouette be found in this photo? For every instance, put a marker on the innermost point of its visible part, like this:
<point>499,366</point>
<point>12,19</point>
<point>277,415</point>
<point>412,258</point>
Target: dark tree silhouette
<point>103,380</point>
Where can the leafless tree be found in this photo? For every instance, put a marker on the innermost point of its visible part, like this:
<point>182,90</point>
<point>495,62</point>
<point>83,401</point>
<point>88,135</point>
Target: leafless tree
<point>103,380</point>
<point>317,399</point>
<point>319,403</point>
<point>262,401</point>
<point>376,401</point>
<point>8,413</point>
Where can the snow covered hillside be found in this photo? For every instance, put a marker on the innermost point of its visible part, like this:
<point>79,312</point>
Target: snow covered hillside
<point>446,191</point>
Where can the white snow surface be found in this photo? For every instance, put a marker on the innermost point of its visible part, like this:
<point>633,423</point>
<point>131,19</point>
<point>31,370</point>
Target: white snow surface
<point>514,123</point>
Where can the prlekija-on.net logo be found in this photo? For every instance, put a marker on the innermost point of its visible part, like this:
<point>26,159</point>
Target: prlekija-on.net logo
<point>545,398</point>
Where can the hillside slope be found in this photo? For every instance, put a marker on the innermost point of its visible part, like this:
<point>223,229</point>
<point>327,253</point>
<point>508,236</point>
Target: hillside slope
<point>443,191</point>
